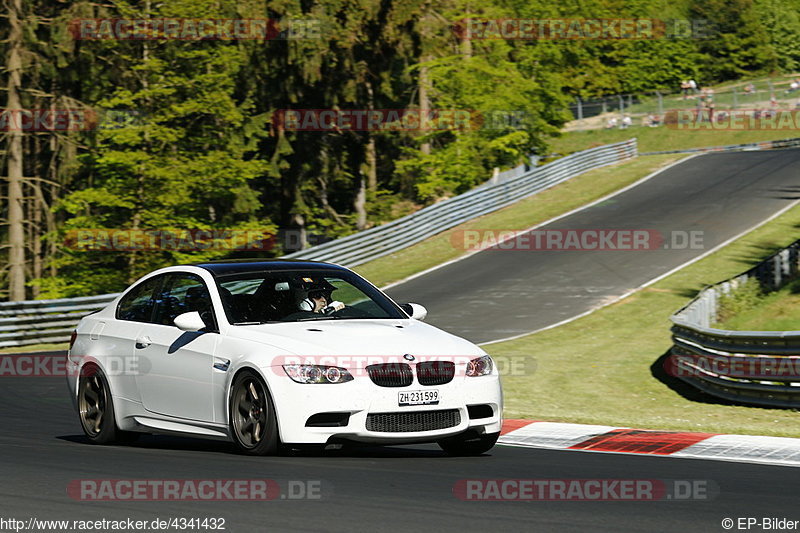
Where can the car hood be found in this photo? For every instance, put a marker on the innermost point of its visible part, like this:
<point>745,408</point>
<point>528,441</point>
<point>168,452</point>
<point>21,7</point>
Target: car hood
<point>358,337</point>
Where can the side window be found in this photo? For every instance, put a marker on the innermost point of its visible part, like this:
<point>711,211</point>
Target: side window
<point>137,305</point>
<point>183,293</point>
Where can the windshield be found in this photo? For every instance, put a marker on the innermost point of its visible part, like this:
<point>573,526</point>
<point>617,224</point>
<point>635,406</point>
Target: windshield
<point>302,295</point>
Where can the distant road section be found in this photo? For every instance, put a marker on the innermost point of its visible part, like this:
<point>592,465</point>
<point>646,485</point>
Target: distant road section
<point>543,278</point>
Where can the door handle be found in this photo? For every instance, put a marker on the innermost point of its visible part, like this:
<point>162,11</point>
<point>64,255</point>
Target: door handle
<point>143,342</point>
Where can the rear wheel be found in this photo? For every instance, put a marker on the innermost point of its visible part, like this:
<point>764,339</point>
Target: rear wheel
<point>96,409</point>
<point>254,426</point>
<point>469,443</point>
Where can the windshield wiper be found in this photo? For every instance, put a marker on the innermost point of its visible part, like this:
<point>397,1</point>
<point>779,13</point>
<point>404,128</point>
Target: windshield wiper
<point>321,317</point>
<point>335,317</point>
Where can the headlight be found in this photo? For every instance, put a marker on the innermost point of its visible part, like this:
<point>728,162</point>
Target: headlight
<point>481,366</point>
<point>317,374</point>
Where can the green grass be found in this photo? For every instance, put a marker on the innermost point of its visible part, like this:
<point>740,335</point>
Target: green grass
<point>35,348</point>
<point>663,138</point>
<point>597,369</point>
<point>775,311</point>
<point>522,215</point>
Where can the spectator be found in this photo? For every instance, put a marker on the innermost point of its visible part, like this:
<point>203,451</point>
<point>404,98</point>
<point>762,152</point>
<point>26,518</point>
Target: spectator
<point>611,123</point>
<point>693,86</point>
<point>793,86</point>
<point>749,88</point>
<point>651,120</point>
<point>685,88</point>
<point>626,122</point>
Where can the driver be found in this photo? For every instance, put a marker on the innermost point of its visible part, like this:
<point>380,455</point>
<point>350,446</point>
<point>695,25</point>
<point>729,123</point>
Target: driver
<point>318,298</point>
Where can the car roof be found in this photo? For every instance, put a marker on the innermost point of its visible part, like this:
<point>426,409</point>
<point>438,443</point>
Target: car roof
<point>243,266</point>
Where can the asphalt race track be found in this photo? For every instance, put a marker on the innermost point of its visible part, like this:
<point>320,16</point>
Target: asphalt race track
<point>372,489</point>
<point>499,293</point>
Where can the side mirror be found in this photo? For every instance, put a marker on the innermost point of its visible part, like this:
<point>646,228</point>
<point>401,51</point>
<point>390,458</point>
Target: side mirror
<point>189,321</point>
<point>415,311</point>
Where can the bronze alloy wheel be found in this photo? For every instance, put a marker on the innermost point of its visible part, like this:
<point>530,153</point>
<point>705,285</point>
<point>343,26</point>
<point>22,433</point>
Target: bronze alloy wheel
<point>92,403</point>
<point>96,409</point>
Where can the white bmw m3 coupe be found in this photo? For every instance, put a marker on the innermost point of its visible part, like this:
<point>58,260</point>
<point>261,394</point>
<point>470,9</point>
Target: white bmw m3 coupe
<point>275,354</point>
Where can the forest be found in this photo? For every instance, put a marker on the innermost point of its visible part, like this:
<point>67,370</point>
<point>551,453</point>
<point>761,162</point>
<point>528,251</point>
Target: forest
<point>309,119</point>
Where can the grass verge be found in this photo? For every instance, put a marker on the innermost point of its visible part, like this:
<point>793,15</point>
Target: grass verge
<point>521,215</point>
<point>605,368</point>
<point>35,348</point>
<point>774,311</point>
<point>663,138</point>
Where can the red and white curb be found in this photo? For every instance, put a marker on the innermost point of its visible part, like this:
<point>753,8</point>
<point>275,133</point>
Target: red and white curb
<point>609,439</point>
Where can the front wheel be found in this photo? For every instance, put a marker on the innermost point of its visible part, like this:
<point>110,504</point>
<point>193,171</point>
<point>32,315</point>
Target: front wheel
<point>467,444</point>
<point>254,426</point>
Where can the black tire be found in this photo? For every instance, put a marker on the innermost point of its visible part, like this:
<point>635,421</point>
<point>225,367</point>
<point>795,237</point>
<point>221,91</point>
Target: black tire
<point>251,415</point>
<point>96,409</point>
<point>468,444</point>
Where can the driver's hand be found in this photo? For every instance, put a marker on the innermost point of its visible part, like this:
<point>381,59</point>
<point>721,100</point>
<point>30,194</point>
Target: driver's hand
<point>333,307</point>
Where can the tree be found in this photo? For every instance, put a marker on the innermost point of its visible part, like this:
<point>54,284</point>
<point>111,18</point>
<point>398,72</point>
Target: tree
<point>16,231</point>
<point>185,160</point>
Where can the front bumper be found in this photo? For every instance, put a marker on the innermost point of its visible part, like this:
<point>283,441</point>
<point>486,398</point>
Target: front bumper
<point>296,403</point>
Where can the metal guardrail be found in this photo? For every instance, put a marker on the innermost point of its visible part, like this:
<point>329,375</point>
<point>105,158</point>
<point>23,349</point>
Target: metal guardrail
<point>45,321</point>
<point>756,367</point>
<point>394,236</point>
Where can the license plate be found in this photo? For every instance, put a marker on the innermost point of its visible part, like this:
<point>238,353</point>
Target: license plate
<point>418,397</point>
